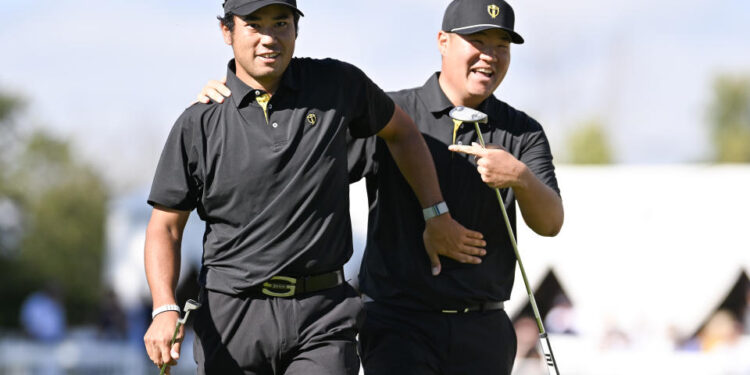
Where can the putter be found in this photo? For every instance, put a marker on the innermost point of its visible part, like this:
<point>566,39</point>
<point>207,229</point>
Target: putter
<point>464,114</point>
<point>190,305</point>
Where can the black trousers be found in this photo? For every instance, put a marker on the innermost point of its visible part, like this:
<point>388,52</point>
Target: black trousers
<point>396,341</point>
<point>313,334</point>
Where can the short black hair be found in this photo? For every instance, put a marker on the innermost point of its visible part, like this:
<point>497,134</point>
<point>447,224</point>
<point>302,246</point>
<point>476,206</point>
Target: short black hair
<point>228,21</point>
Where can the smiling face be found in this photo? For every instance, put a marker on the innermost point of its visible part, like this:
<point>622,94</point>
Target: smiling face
<point>263,45</point>
<point>473,65</point>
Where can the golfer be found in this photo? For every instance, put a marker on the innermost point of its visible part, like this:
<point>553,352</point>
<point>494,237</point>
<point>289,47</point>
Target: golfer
<point>267,172</point>
<point>452,323</point>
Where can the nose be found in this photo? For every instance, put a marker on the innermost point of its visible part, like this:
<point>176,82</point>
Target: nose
<point>267,38</point>
<point>488,55</point>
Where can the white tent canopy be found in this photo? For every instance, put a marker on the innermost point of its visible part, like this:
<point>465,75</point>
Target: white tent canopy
<point>651,248</point>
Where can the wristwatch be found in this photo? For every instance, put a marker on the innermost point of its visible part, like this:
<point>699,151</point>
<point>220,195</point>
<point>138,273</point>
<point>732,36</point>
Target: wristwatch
<point>436,210</point>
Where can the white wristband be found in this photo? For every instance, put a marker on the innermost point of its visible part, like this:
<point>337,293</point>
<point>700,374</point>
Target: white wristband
<point>436,210</point>
<point>164,308</point>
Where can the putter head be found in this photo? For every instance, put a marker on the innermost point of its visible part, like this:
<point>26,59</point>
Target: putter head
<point>467,114</point>
<point>190,305</point>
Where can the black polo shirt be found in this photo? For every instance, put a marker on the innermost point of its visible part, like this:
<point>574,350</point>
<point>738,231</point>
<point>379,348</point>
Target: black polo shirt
<point>272,187</point>
<point>395,268</point>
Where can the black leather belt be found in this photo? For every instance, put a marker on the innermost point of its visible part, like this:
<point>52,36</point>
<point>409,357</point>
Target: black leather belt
<point>286,286</point>
<point>486,306</point>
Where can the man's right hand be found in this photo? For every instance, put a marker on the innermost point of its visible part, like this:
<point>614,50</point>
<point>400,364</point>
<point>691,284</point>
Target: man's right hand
<point>445,236</point>
<point>214,90</point>
<point>159,336</point>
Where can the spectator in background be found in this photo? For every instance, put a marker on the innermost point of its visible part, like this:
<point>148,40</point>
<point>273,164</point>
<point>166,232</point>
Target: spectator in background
<point>746,318</point>
<point>561,318</point>
<point>112,323</point>
<point>722,330</point>
<point>528,359</point>
<point>615,338</point>
<point>43,315</point>
<point>138,317</point>
<point>527,336</point>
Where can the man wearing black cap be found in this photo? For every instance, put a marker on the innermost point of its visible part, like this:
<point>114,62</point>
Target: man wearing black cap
<point>452,323</point>
<point>267,171</point>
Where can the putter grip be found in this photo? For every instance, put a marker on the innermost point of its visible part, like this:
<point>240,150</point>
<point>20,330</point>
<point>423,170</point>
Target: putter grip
<point>171,344</point>
<point>549,358</point>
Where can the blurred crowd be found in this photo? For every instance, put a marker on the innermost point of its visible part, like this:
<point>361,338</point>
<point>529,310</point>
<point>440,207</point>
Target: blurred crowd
<point>722,332</point>
<point>43,319</point>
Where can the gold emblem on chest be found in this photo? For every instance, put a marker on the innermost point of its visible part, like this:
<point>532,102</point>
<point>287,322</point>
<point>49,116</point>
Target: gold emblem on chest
<point>311,118</point>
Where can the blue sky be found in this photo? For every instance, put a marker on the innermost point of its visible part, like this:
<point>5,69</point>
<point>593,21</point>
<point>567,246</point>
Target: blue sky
<point>114,75</point>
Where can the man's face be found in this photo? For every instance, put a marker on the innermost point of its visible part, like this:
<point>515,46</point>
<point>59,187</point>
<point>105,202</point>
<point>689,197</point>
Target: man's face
<point>474,65</point>
<point>263,45</point>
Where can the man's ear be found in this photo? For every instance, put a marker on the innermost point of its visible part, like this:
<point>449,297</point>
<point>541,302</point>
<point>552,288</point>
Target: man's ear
<point>227,34</point>
<point>442,39</point>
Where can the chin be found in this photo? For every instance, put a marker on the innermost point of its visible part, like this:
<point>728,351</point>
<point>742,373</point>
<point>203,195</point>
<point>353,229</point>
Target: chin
<point>481,93</point>
<point>482,89</point>
<point>266,73</point>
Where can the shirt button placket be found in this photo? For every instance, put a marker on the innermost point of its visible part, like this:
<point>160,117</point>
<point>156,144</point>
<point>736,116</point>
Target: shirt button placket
<point>279,132</point>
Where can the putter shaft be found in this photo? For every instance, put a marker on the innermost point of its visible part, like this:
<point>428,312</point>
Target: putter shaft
<point>544,340</point>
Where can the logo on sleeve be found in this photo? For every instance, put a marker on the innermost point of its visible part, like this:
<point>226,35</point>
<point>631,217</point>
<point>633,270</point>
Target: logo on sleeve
<point>311,118</point>
<point>493,10</point>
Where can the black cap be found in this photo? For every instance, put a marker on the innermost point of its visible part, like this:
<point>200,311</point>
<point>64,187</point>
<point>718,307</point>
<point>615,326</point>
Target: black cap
<point>245,7</point>
<point>471,16</point>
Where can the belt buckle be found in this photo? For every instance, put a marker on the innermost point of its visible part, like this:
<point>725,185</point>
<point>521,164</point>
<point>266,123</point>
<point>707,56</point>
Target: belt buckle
<point>275,286</point>
<point>464,310</point>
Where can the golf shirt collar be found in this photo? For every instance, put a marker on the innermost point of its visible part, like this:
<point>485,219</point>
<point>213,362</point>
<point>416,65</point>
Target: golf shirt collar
<point>436,100</point>
<point>243,94</point>
<point>433,96</point>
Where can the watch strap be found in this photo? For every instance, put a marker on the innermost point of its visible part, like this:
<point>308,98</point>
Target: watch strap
<point>436,210</point>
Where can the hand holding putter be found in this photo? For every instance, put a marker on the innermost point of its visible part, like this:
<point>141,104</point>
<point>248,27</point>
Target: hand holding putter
<point>465,114</point>
<point>190,305</point>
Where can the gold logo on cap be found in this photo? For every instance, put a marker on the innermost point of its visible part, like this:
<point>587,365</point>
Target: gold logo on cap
<point>493,10</point>
<point>312,118</point>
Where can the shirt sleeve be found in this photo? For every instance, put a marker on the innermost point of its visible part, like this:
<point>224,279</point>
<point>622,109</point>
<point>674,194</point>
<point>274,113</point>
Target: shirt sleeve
<point>176,184</point>
<point>537,155</point>
<point>360,157</point>
<point>372,108</point>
